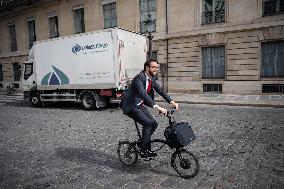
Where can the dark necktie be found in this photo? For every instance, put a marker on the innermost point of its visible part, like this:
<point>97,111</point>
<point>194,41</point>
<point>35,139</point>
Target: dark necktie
<point>148,90</point>
<point>149,85</point>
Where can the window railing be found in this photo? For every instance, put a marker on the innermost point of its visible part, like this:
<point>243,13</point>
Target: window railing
<point>217,16</point>
<point>143,26</point>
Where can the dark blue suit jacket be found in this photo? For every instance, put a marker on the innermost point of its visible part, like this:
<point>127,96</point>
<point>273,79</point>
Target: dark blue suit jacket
<point>137,92</point>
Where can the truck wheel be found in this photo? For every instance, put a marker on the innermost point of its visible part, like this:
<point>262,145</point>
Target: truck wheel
<point>35,100</point>
<point>88,101</point>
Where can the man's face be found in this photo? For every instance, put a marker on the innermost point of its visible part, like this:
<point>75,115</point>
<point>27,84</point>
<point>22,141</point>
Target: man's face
<point>153,68</point>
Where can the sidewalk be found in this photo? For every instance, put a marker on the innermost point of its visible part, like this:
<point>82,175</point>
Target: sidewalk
<point>274,100</point>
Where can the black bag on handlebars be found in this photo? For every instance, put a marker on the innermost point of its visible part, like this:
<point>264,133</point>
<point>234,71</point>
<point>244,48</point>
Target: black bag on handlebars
<point>179,135</point>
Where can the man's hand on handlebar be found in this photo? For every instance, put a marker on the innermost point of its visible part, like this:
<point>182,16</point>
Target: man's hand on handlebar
<point>162,110</point>
<point>174,105</point>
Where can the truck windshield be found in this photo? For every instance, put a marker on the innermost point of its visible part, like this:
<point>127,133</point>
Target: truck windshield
<point>28,71</point>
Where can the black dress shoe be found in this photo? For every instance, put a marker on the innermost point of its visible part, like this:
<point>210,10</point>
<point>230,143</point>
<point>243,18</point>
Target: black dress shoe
<point>147,154</point>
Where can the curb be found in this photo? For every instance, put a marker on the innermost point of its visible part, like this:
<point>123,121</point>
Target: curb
<point>227,103</point>
<point>198,102</point>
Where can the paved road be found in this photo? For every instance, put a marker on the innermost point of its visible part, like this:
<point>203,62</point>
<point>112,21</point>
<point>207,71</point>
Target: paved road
<point>62,146</point>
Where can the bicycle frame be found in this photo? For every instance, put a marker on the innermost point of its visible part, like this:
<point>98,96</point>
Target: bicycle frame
<point>164,142</point>
<point>182,160</point>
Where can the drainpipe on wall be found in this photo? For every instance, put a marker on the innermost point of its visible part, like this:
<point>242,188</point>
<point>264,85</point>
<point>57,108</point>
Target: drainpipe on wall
<point>167,51</point>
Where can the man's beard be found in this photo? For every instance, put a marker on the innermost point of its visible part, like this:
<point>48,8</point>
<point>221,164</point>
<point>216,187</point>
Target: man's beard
<point>152,74</point>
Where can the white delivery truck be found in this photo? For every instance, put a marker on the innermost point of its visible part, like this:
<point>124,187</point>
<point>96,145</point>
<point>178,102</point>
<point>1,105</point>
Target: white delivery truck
<point>93,68</point>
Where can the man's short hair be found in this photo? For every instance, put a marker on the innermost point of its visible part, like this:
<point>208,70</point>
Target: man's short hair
<point>147,63</point>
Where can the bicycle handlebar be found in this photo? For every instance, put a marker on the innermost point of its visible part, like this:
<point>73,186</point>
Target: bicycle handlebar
<point>170,113</point>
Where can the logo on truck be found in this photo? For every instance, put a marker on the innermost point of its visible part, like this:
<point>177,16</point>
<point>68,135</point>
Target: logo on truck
<point>56,77</point>
<point>98,47</point>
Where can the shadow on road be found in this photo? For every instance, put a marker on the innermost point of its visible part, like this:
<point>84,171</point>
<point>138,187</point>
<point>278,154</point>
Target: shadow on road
<point>99,158</point>
<point>77,106</point>
<point>17,104</point>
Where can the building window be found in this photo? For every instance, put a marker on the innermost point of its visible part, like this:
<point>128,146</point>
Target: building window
<point>147,15</point>
<point>272,59</point>
<point>53,27</point>
<point>110,18</point>
<point>79,20</point>
<point>13,37</point>
<point>1,73</point>
<point>213,11</point>
<point>32,35</point>
<point>272,7</point>
<point>213,62</point>
<point>17,71</point>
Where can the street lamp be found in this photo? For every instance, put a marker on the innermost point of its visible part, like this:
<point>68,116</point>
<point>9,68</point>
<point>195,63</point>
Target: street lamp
<point>150,26</point>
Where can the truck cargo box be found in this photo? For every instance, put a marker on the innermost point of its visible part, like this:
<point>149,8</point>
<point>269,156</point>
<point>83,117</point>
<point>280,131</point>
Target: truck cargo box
<point>97,60</point>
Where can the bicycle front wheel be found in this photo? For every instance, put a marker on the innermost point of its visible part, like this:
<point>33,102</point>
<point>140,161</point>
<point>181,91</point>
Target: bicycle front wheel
<point>185,163</point>
<point>127,153</point>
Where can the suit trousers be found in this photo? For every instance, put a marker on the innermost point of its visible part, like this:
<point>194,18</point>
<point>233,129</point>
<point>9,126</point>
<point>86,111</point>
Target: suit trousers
<point>141,115</point>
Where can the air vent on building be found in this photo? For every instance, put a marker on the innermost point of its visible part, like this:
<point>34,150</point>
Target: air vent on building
<point>273,88</point>
<point>217,88</point>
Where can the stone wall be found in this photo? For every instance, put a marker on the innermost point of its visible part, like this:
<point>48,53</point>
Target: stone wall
<point>242,60</point>
<point>242,33</point>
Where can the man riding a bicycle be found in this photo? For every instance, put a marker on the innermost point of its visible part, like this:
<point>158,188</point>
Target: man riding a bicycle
<point>141,94</point>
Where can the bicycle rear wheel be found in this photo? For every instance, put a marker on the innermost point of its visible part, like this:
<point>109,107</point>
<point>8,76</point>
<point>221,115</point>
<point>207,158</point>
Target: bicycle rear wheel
<point>127,153</point>
<point>185,163</point>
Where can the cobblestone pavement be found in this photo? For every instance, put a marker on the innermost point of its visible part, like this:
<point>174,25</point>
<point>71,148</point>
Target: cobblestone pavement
<point>62,146</point>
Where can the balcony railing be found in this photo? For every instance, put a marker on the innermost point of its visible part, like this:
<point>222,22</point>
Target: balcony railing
<point>143,26</point>
<point>209,17</point>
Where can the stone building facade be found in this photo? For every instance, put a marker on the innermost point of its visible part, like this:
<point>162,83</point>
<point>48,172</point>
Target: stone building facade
<point>228,46</point>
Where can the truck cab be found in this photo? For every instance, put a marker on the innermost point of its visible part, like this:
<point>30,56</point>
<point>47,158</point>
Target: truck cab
<point>28,79</point>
